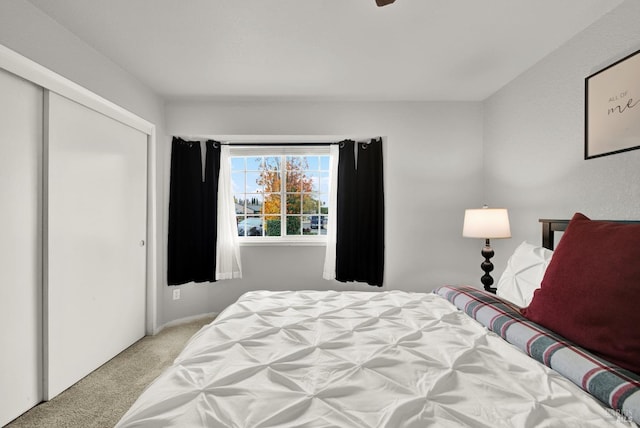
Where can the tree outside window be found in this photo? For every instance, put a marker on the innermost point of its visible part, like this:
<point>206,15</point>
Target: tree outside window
<point>270,191</point>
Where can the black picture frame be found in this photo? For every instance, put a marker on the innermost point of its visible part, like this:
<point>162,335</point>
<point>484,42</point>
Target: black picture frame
<point>612,108</point>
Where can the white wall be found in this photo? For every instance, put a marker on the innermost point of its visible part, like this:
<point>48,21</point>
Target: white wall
<point>28,31</point>
<point>534,136</point>
<point>433,163</point>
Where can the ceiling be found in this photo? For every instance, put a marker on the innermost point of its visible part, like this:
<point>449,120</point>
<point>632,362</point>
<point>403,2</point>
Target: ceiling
<point>325,49</point>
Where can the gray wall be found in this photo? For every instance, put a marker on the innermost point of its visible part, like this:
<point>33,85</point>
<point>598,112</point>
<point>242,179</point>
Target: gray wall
<point>521,149</point>
<point>534,136</point>
<point>33,34</point>
<point>433,169</point>
<point>433,161</point>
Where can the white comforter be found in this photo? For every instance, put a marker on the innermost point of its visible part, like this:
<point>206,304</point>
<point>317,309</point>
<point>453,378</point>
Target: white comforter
<point>357,359</point>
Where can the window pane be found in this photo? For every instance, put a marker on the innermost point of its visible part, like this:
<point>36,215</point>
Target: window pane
<point>307,226</point>
<point>250,226</point>
<point>254,203</point>
<point>312,163</point>
<point>254,163</point>
<point>272,203</point>
<point>240,219</point>
<point>324,182</point>
<point>324,220</point>
<point>293,181</point>
<point>237,181</point>
<point>310,204</point>
<point>240,203</point>
<point>318,225</point>
<point>299,181</point>
<point>253,182</point>
<point>272,225</point>
<point>272,163</point>
<point>313,181</point>
<point>237,164</point>
<point>293,225</point>
<point>324,163</point>
<point>293,203</point>
<point>324,204</point>
<point>296,162</point>
<point>269,180</point>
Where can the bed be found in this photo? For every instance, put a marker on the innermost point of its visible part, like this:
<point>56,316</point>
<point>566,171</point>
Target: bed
<point>458,356</point>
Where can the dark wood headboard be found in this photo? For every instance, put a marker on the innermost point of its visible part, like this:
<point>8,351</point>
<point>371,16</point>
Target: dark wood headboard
<point>550,226</point>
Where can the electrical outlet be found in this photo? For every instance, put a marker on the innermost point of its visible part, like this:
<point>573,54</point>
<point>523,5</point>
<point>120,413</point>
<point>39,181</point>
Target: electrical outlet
<point>176,294</point>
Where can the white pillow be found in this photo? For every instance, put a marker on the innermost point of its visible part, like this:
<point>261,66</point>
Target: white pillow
<point>524,273</point>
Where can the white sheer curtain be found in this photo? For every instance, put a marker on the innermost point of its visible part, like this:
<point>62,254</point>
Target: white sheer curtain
<point>330,255</point>
<point>228,264</point>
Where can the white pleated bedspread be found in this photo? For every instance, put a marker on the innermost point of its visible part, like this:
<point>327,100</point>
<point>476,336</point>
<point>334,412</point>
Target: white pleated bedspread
<point>357,359</point>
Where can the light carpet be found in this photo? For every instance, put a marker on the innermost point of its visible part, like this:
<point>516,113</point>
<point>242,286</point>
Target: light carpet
<point>101,398</point>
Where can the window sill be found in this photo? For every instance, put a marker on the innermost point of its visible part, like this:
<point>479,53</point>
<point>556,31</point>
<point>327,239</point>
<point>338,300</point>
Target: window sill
<point>283,242</point>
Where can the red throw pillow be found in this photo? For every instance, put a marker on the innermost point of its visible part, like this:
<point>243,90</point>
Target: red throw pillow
<point>590,293</point>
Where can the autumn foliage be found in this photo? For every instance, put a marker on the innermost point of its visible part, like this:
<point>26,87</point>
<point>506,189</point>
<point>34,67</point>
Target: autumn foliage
<point>299,186</point>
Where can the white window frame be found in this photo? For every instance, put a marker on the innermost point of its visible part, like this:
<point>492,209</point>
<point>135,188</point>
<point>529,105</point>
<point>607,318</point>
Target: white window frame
<point>301,149</point>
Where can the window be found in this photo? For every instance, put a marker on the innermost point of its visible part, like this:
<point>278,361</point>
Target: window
<point>281,194</point>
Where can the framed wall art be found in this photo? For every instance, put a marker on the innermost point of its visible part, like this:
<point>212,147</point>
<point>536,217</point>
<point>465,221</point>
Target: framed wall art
<point>612,108</point>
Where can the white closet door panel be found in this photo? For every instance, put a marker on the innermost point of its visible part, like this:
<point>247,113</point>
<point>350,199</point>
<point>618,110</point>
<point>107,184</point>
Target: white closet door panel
<point>95,257</point>
<point>20,246</point>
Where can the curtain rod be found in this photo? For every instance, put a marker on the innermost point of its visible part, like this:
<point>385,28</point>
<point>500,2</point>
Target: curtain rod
<point>281,144</point>
<point>266,144</point>
<point>273,144</point>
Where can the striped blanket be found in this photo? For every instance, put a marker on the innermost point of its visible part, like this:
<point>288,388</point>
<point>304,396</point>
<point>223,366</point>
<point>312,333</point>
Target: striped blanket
<point>614,386</point>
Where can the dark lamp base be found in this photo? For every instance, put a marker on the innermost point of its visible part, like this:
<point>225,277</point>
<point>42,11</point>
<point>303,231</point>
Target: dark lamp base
<point>487,267</point>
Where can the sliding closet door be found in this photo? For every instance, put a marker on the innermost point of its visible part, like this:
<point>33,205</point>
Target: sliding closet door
<point>20,246</point>
<point>95,203</point>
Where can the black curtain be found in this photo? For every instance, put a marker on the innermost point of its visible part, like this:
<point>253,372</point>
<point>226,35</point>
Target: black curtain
<point>360,213</point>
<point>192,212</point>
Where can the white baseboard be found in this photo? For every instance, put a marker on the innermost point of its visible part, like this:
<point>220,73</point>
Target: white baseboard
<point>184,321</point>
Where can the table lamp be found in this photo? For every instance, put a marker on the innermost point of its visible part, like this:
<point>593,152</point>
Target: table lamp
<point>486,223</point>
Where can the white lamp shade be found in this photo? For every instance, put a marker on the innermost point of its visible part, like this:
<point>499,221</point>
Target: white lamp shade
<point>486,223</point>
